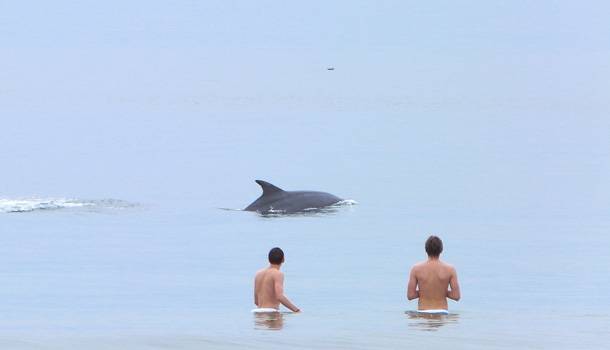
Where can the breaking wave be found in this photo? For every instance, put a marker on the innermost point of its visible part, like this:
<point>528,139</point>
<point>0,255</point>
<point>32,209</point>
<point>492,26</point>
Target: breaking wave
<point>21,205</point>
<point>345,202</point>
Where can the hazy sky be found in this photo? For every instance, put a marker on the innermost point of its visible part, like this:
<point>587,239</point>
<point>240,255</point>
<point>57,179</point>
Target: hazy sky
<point>123,98</point>
<point>464,25</point>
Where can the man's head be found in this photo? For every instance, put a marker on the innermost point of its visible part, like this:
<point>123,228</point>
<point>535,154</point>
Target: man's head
<point>434,246</point>
<point>276,256</point>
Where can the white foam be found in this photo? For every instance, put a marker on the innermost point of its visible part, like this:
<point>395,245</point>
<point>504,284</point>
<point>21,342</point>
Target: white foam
<point>20,205</point>
<point>275,211</point>
<point>346,202</point>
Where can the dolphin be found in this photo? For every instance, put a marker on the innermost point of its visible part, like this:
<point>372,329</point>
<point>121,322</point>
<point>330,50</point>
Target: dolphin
<point>286,202</point>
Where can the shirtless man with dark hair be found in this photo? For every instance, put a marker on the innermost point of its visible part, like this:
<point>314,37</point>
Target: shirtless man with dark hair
<point>430,280</point>
<point>269,286</point>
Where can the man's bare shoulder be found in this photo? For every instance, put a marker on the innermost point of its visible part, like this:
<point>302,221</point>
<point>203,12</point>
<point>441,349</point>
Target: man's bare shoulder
<point>276,273</point>
<point>418,266</point>
<point>448,266</point>
<point>261,272</point>
<point>269,272</point>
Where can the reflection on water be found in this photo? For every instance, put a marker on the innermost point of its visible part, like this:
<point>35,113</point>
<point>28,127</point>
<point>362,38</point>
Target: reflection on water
<point>268,320</point>
<point>430,322</point>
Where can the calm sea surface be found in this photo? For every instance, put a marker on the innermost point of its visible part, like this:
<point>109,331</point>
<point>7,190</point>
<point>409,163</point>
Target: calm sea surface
<point>166,268</point>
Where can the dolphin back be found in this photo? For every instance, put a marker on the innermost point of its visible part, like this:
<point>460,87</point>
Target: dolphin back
<point>276,199</point>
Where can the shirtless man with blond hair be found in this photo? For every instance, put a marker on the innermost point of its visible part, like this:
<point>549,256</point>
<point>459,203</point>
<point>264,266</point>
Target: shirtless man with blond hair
<point>430,280</point>
<point>269,286</point>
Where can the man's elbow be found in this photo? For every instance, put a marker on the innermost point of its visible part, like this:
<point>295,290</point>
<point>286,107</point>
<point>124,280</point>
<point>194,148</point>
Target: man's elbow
<point>411,296</point>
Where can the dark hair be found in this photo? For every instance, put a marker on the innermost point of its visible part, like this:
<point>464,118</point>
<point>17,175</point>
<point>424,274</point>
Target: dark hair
<point>434,246</point>
<point>276,256</point>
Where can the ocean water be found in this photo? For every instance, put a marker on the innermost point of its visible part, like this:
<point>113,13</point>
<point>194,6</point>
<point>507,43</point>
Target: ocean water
<point>127,130</point>
<point>168,268</point>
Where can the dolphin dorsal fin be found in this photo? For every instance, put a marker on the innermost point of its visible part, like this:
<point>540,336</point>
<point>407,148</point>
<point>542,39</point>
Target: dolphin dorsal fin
<point>268,189</point>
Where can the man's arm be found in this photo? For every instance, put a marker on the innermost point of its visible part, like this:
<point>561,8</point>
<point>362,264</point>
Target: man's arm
<point>279,293</point>
<point>454,293</point>
<point>255,294</point>
<point>412,292</point>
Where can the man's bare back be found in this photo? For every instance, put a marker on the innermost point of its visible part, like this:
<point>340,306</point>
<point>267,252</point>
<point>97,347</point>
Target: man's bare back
<point>264,287</point>
<point>269,288</point>
<point>430,281</point>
